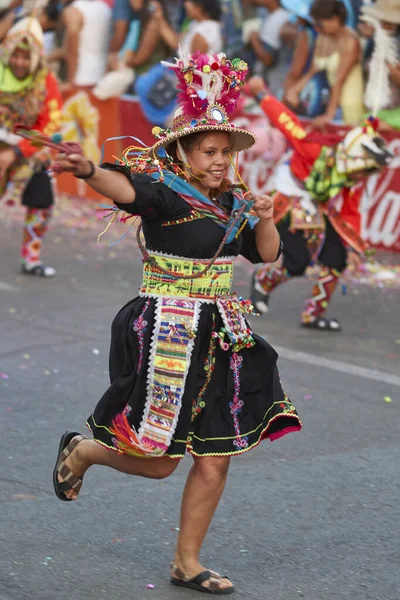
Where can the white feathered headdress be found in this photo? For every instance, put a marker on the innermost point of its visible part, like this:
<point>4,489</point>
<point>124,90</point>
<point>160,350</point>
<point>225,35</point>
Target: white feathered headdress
<point>378,93</point>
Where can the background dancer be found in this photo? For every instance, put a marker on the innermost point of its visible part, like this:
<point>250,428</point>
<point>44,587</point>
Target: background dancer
<point>29,97</point>
<point>322,168</point>
<point>187,372</point>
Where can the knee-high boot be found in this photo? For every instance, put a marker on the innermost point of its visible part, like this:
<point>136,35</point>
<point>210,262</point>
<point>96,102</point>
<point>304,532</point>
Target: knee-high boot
<point>315,307</point>
<point>35,227</point>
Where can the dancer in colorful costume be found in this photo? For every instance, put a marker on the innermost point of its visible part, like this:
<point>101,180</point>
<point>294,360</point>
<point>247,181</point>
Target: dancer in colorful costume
<point>187,372</point>
<point>29,98</point>
<point>322,171</point>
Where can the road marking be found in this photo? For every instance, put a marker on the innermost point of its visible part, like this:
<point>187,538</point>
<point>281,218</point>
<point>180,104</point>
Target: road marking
<point>7,287</point>
<point>337,365</point>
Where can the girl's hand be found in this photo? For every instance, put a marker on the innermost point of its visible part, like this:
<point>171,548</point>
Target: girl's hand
<point>263,207</point>
<point>74,163</point>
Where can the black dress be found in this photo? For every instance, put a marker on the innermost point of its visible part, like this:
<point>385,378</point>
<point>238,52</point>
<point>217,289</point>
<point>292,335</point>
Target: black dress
<point>231,401</point>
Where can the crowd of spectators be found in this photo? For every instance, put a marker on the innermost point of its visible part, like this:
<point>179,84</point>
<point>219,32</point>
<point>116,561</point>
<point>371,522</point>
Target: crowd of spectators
<point>313,54</point>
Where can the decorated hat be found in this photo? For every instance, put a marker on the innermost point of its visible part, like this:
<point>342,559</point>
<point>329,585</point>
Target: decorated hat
<point>26,31</point>
<point>209,89</point>
<point>362,149</point>
<point>384,10</point>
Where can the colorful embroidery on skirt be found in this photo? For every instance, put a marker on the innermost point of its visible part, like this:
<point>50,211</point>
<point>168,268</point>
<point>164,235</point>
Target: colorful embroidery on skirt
<point>170,354</point>
<point>140,326</point>
<point>236,405</point>
<point>209,365</point>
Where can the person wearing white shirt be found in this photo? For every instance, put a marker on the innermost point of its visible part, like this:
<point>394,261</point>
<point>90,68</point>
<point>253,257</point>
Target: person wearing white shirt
<point>204,32</point>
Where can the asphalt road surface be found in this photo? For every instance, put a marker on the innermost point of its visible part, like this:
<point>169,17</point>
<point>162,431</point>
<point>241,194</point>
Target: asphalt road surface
<point>314,515</point>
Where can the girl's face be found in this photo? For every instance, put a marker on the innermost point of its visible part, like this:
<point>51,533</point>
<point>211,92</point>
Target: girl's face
<point>193,10</point>
<point>328,26</point>
<point>209,159</point>
<point>20,63</point>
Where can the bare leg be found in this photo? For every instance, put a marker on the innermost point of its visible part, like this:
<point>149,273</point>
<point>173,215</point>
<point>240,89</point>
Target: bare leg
<point>88,453</point>
<point>203,490</point>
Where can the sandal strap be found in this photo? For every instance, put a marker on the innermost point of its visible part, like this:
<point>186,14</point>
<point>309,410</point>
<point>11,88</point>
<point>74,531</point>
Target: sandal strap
<point>177,573</point>
<point>212,577</point>
<point>71,446</point>
<point>70,480</point>
<point>69,477</point>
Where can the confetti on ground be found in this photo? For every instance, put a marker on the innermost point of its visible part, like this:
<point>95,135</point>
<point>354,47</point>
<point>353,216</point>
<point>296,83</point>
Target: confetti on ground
<point>4,376</point>
<point>20,497</point>
<point>150,586</point>
<point>174,528</point>
<point>308,397</point>
<point>387,399</point>
<point>12,311</point>
<point>96,351</point>
<point>26,356</point>
<point>117,540</point>
<point>243,551</point>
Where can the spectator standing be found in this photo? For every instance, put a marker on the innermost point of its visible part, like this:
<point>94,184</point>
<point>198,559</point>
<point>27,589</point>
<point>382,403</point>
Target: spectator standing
<point>123,15</point>
<point>142,49</point>
<point>157,88</point>
<point>338,53</point>
<point>204,32</point>
<point>232,27</point>
<point>87,35</point>
<point>304,43</point>
<point>272,45</point>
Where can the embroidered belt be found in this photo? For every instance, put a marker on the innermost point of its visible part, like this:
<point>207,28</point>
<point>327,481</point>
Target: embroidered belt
<point>216,282</point>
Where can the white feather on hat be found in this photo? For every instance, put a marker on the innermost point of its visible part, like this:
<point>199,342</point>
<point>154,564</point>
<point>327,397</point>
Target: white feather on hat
<point>378,92</point>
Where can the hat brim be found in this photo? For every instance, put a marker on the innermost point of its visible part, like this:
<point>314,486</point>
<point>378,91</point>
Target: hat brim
<point>389,15</point>
<point>242,138</point>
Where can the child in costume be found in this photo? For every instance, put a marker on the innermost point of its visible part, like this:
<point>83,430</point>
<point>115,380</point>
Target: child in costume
<point>29,98</point>
<point>322,170</point>
<point>187,372</point>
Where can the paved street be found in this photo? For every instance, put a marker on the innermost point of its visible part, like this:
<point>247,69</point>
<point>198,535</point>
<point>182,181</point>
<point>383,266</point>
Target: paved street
<point>315,515</point>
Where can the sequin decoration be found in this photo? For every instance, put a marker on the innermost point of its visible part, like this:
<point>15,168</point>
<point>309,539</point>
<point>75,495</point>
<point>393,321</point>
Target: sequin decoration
<point>194,215</point>
<point>140,326</point>
<point>209,364</point>
<point>231,308</point>
<point>236,405</point>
